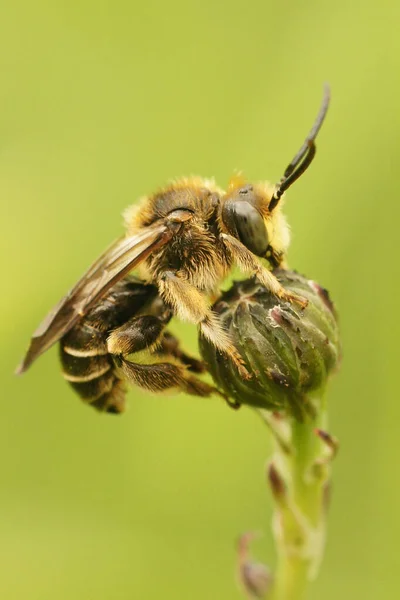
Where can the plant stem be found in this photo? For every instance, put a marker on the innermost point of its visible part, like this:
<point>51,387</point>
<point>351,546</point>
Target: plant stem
<point>299,475</point>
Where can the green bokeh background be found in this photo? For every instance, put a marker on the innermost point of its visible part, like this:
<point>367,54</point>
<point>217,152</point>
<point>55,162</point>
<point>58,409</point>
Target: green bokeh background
<point>102,102</point>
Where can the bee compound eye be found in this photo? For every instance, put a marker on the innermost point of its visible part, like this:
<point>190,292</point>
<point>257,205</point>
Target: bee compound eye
<point>245,222</point>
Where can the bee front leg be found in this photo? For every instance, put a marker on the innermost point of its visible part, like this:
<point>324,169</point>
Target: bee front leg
<point>146,333</point>
<point>189,304</point>
<point>249,264</point>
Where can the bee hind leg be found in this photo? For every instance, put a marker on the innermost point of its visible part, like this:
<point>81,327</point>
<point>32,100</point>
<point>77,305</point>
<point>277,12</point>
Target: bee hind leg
<point>146,333</point>
<point>164,376</point>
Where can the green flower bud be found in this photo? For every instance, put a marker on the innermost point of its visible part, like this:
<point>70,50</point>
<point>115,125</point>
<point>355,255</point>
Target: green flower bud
<point>289,351</point>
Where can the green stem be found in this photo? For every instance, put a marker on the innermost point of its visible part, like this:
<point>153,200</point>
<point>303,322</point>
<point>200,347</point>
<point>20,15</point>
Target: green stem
<point>299,520</point>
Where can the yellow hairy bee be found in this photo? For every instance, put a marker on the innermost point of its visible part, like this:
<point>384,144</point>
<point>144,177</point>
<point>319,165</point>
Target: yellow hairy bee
<point>184,240</point>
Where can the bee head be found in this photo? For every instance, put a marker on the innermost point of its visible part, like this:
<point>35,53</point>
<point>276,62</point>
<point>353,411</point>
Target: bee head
<point>246,216</point>
<point>242,217</point>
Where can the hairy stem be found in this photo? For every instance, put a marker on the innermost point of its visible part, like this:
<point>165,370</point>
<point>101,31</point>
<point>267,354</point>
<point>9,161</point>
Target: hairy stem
<point>299,475</point>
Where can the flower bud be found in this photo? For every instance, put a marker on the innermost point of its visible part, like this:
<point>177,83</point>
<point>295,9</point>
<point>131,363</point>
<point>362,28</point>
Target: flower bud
<point>289,351</point>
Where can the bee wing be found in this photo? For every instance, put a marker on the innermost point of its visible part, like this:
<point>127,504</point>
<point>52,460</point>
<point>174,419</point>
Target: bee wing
<point>120,258</point>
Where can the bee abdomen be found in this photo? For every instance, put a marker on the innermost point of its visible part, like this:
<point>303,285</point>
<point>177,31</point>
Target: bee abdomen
<point>86,363</point>
<point>90,370</point>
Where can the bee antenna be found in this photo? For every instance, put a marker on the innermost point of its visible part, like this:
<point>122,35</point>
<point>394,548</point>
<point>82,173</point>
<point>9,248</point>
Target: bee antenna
<point>304,156</point>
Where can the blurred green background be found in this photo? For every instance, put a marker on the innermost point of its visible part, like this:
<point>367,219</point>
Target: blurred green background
<point>102,102</point>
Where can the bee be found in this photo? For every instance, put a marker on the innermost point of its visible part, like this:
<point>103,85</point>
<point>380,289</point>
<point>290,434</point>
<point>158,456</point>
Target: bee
<point>130,318</point>
<point>184,241</point>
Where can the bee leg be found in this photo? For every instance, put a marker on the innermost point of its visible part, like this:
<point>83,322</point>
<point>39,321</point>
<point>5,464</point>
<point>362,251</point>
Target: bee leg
<point>249,264</point>
<point>163,376</point>
<point>145,333</point>
<point>191,305</point>
<point>169,345</point>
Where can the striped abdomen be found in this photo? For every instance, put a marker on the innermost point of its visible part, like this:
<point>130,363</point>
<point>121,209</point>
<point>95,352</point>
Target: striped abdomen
<point>86,363</point>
